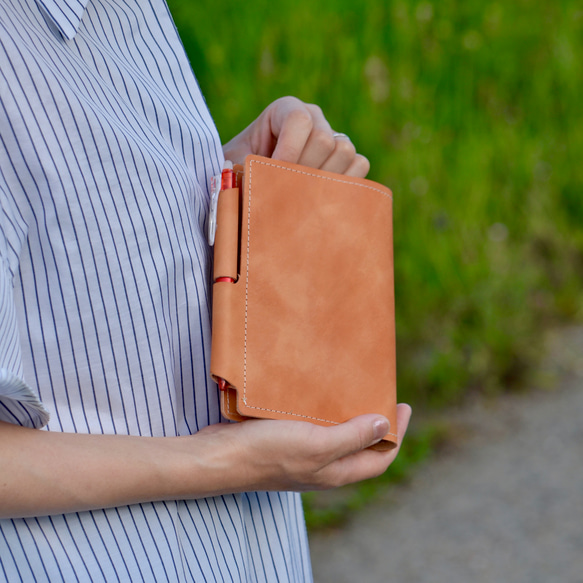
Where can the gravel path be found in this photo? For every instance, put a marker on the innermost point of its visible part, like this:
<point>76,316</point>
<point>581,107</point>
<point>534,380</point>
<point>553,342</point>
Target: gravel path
<point>504,506</point>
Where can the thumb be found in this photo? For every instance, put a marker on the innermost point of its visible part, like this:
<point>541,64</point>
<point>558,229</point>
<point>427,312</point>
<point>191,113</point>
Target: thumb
<point>358,433</point>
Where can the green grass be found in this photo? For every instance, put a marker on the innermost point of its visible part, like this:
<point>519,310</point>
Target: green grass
<point>472,113</point>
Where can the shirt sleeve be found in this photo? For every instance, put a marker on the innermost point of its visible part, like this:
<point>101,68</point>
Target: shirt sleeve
<point>18,402</point>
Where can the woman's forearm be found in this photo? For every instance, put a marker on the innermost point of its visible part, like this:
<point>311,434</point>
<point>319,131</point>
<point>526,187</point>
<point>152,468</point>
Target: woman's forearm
<point>49,472</point>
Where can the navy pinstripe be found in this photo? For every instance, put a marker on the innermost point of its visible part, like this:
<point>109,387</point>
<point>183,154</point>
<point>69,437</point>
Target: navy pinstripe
<point>106,150</point>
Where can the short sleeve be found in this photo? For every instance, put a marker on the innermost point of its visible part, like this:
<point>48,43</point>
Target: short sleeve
<point>18,402</point>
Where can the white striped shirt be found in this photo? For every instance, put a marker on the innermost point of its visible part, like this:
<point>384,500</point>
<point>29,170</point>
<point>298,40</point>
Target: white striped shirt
<point>106,148</point>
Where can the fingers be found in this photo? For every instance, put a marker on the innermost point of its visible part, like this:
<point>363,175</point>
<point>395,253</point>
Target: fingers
<point>303,135</point>
<point>359,167</point>
<point>320,144</point>
<point>291,125</point>
<point>403,417</point>
<point>293,131</point>
<point>366,463</point>
<point>349,443</point>
<point>404,412</point>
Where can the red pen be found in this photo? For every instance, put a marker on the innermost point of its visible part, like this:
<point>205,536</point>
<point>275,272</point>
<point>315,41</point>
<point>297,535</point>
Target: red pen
<point>228,180</point>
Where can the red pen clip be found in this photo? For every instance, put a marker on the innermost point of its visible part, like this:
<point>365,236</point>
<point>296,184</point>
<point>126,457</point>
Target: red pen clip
<point>228,181</point>
<point>223,181</point>
<point>227,176</point>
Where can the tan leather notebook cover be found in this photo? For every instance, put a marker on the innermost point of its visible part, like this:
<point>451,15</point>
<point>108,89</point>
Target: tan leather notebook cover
<point>304,324</point>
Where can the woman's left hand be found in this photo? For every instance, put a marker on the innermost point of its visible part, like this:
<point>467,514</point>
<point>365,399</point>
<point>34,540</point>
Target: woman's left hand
<point>293,131</point>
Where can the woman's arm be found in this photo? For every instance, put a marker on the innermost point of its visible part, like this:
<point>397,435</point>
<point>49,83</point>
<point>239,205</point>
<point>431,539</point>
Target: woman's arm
<point>44,472</point>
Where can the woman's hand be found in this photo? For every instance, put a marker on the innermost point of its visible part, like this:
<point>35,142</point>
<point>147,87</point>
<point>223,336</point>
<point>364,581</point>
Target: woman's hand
<point>293,131</point>
<point>299,456</point>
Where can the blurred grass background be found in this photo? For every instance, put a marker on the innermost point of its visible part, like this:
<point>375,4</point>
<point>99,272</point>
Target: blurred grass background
<point>471,112</point>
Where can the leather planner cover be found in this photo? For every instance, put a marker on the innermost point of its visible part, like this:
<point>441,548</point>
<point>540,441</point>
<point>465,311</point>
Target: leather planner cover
<point>303,297</point>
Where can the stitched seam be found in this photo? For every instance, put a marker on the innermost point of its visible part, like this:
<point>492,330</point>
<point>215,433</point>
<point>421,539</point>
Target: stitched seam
<point>330,178</point>
<point>247,283</point>
<point>304,416</point>
<point>247,294</point>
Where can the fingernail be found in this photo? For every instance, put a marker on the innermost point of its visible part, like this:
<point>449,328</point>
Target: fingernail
<point>380,428</point>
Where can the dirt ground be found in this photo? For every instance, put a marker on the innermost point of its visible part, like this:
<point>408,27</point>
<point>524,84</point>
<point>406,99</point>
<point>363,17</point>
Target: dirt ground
<point>505,505</point>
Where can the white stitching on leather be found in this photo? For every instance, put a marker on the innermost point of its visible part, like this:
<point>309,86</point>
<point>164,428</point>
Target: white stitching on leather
<point>247,284</point>
<point>384,193</point>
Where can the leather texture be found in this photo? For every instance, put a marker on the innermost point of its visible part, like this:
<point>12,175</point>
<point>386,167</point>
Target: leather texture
<point>307,331</point>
